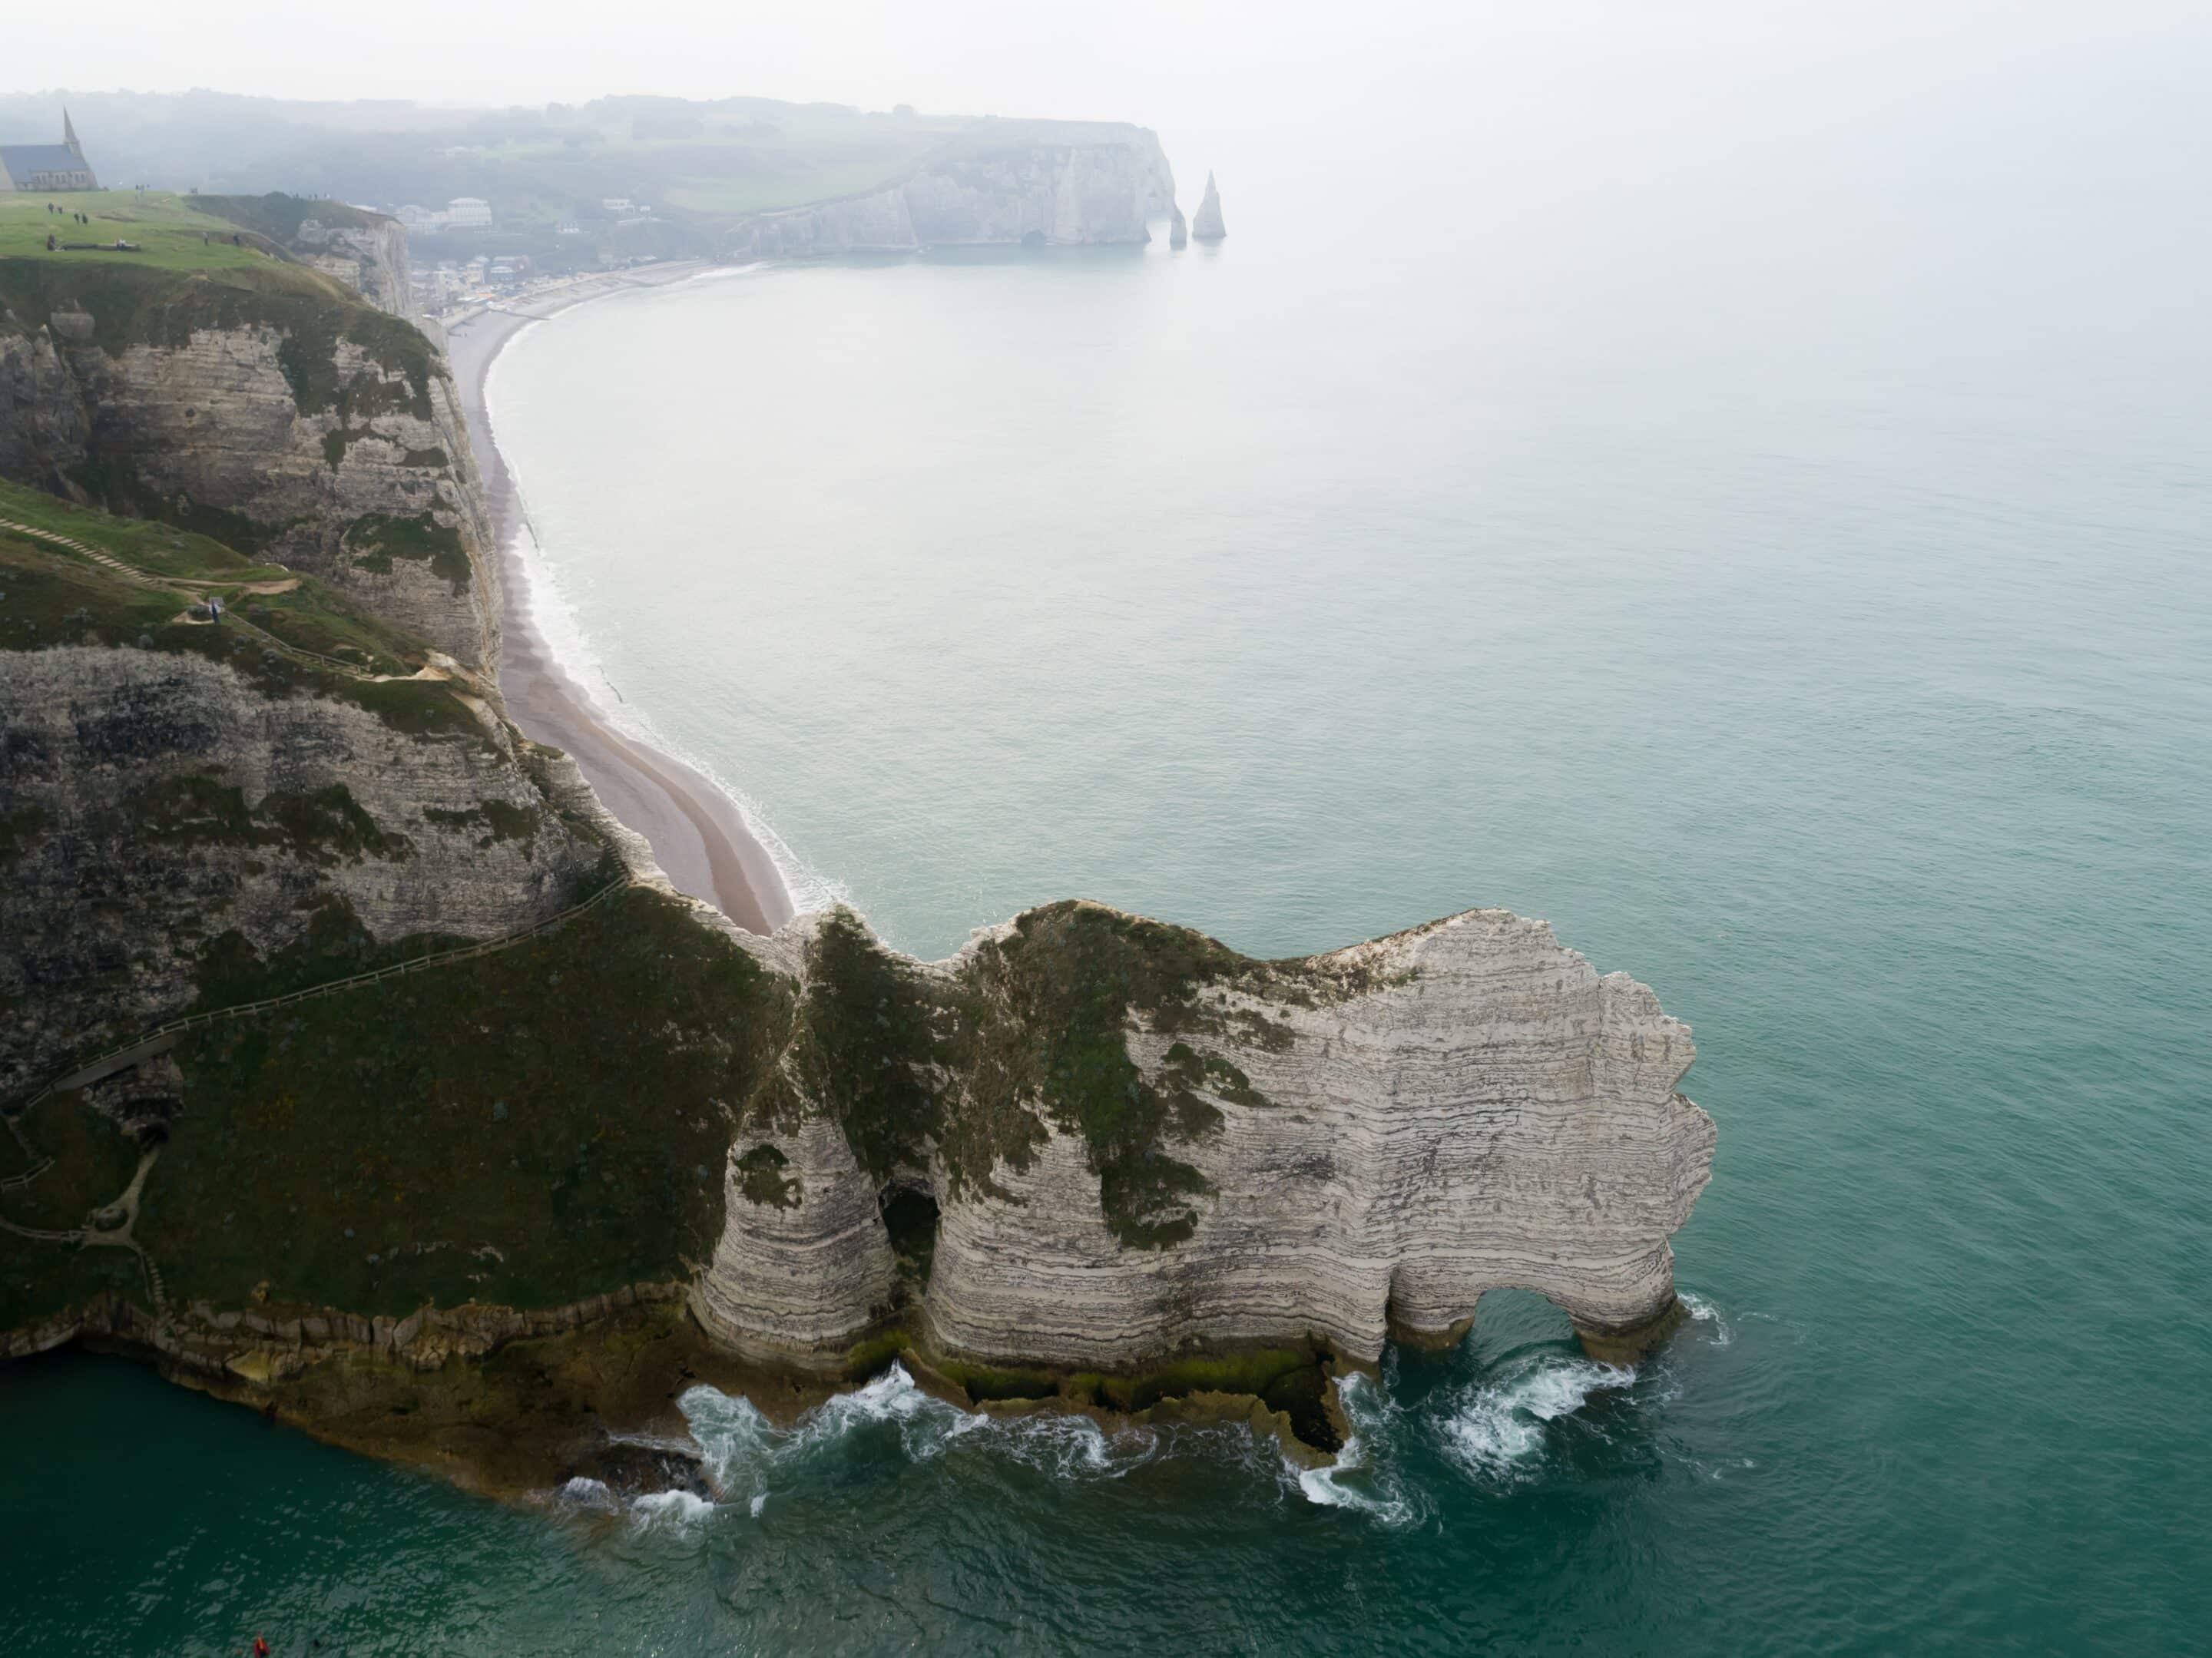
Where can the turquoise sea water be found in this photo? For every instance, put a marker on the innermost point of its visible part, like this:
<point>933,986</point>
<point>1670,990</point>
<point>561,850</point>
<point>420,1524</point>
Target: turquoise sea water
<point>1818,626</point>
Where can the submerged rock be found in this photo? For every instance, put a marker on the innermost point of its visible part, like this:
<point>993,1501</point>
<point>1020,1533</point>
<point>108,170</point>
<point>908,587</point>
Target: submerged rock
<point>631,1469</point>
<point>1207,226</point>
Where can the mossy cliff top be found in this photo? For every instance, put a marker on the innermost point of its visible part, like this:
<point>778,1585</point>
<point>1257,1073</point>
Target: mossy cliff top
<point>164,304</point>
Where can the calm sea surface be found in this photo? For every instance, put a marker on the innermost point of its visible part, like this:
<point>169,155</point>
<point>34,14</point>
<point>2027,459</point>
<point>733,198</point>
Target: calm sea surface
<point>1816,623</point>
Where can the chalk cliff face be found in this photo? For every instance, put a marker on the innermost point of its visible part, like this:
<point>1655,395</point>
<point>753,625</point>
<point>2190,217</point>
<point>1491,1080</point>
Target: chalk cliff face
<point>1144,1144</point>
<point>1059,184</point>
<point>180,820</point>
<point>309,430</point>
<point>371,259</point>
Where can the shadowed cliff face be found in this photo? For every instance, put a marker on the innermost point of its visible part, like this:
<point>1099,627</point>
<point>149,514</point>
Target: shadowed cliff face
<point>1071,185</point>
<point>1142,1142</point>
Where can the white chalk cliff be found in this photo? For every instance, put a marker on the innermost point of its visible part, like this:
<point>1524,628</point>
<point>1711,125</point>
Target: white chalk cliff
<point>1340,1148</point>
<point>1055,184</point>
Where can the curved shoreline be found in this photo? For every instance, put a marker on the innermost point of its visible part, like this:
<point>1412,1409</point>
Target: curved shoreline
<point>699,836</point>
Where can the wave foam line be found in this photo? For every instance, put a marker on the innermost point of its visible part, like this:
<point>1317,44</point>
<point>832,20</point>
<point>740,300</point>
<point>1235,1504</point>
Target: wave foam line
<point>744,1451</point>
<point>1499,1426</point>
<point>1355,1481</point>
<point>554,615</point>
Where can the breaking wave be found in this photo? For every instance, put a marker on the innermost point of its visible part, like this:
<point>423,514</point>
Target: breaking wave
<point>679,1509</point>
<point>745,1454</point>
<point>1359,1480</point>
<point>1495,1427</point>
<point>1704,1312</point>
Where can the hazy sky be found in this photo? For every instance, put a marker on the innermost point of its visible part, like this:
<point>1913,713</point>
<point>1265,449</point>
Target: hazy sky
<point>1255,62</point>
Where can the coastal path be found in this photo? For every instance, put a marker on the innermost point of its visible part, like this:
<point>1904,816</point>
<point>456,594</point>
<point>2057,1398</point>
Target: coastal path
<point>184,587</point>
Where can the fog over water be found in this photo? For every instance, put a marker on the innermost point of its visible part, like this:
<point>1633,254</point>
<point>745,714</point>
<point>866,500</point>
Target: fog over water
<point>1733,483</point>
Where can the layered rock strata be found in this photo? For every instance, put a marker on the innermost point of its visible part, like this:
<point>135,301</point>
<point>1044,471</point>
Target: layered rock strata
<point>1058,184</point>
<point>1339,1148</point>
<point>182,821</point>
<point>272,413</point>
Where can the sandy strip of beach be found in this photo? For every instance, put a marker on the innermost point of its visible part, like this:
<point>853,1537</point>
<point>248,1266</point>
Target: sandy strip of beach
<point>698,834</point>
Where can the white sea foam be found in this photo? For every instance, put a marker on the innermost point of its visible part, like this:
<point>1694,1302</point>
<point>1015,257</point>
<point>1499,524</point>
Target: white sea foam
<point>555,615</point>
<point>587,1493</point>
<point>723,272</point>
<point>747,1454</point>
<point>681,1508</point>
<point>1356,1481</point>
<point>1704,1312</point>
<point>760,1502</point>
<point>1495,1428</point>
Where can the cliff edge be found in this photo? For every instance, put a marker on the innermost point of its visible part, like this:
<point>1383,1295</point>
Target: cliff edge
<point>347,1044</point>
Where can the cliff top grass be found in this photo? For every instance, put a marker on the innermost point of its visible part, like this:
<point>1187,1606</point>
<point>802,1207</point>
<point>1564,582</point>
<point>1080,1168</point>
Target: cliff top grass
<point>175,234</point>
<point>135,302</point>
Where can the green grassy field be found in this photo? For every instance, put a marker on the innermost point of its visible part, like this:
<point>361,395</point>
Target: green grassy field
<point>166,226</point>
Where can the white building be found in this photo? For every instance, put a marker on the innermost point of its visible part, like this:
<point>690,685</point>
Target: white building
<point>468,213</point>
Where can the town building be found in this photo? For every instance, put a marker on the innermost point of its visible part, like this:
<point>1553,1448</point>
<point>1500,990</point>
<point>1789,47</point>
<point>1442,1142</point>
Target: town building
<point>47,169</point>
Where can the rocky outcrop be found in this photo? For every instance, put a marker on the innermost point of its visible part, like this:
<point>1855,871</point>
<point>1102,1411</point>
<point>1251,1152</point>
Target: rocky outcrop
<point>1178,230</point>
<point>371,259</point>
<point>1055,184</point>
<point>367,252</point>
<point>264,410</point>
<point>1241,1153</point>
<point>1206,225</point>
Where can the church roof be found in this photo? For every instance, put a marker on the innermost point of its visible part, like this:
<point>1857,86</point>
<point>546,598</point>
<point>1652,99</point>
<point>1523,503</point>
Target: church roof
<point>22,161</point>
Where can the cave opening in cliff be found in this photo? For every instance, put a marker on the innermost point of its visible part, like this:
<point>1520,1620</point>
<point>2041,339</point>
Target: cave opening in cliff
<point>910,1216</point>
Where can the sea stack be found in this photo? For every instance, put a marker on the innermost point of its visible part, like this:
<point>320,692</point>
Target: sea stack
<point>1178,229</point>
<point>1207,226</point>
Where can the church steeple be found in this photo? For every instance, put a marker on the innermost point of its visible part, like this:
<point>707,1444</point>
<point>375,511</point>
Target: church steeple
<point>69,136</point>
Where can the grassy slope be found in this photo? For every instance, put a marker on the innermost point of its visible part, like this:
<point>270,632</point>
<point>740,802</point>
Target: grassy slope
<point>526,1128</point>
<point>47,585</point>
<point>279,216</point>
<point>168,227</point>
<point>531,1128</point>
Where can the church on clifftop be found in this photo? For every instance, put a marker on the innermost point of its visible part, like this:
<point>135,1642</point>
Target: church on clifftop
<point>47,169</point>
